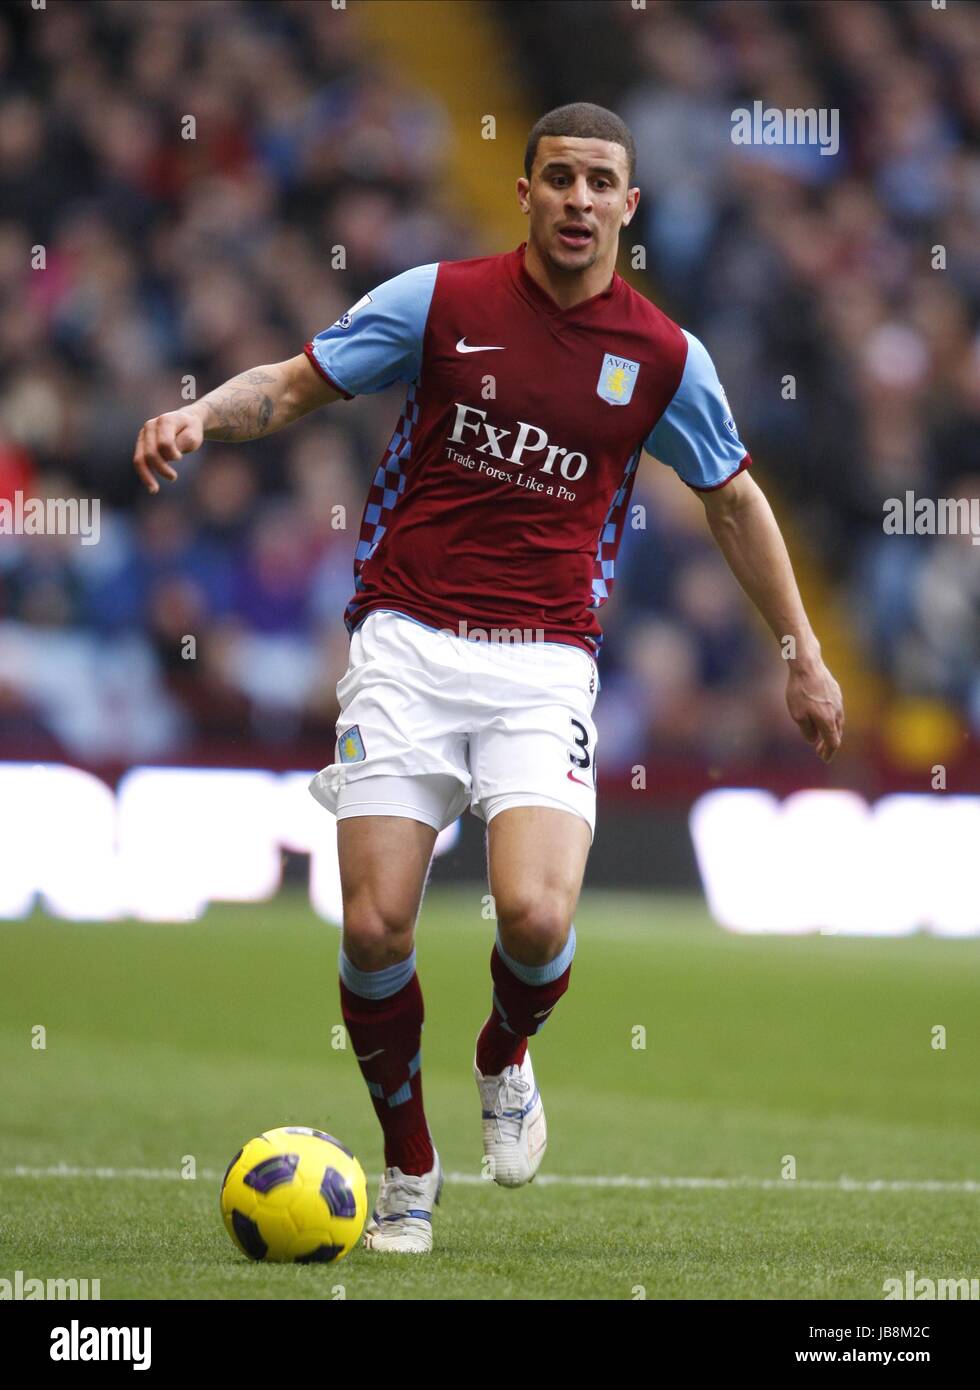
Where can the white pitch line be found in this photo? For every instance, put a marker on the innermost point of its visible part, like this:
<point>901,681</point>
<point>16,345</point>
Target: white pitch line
<point>843,1184</point>
<point>69,1170</point>
<point>761,1184</point>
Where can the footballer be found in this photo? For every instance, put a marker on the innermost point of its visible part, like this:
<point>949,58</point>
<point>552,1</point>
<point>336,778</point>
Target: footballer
<point>534,381</point>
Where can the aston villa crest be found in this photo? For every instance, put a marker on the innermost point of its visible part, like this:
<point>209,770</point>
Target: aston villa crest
<point>617,379</point>
<point>350,746</point>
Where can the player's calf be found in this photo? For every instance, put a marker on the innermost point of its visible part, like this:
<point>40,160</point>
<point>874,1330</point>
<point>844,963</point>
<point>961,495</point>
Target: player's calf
<point>515,1133</point>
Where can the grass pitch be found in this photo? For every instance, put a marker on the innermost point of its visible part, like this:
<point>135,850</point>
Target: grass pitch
<point>164,1042</point>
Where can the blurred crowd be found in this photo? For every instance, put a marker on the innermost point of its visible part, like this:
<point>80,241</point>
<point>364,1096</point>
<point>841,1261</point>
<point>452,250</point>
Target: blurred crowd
<point>172,263</point>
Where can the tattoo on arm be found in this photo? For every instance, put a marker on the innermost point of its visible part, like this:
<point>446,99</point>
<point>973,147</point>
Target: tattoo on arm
<point>240,409</point>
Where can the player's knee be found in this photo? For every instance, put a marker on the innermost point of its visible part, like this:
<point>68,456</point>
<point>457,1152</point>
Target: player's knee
<point>375,937</point>
<point>533,932</point>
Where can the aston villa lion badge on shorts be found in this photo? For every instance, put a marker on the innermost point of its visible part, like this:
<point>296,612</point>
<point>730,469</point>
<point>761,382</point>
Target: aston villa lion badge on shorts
<point>617,379</point>
<point>350,746</point>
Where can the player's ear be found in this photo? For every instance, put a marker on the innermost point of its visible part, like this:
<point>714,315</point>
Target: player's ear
<point>632,198</point>
<point>523,192</point>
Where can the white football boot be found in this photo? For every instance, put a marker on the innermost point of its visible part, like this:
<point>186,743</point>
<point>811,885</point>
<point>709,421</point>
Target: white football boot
<point>402,1217</point>
<point>514,1132</point>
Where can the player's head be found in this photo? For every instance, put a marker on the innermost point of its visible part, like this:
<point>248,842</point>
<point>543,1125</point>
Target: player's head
<point>578,185</point>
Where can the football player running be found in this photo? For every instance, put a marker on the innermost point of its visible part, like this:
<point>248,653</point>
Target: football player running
<point>488,542</point>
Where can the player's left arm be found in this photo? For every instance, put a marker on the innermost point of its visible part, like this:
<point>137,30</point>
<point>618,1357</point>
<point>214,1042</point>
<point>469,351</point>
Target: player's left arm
<point>698,438</point>
<point>748,535</point>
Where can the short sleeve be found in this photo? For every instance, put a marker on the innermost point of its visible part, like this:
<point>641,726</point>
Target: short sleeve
<point>696,435</point>
<point>379,339</point>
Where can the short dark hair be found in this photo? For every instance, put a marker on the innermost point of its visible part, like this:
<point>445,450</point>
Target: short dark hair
<point>584,121</point>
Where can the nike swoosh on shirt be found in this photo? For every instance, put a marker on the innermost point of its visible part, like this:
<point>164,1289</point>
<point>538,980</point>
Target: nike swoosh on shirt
<point>370,1055</point>
<point>463,346</point>
<point>573,778</point>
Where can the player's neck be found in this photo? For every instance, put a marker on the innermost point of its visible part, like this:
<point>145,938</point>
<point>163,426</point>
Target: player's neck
<point>567,287</point>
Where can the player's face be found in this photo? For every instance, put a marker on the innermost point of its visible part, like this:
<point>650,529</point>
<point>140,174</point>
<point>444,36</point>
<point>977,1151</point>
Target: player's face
<point>577,199</point>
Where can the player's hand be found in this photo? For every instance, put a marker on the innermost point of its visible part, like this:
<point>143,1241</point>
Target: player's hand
<point>815,702</point>
<point>162,441</point>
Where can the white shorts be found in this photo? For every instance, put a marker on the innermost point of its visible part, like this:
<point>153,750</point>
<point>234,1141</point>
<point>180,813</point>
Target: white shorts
<point>431,723</point>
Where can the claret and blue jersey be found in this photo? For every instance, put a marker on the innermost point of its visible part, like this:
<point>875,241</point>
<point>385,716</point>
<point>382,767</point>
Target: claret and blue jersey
<point>501,497</point>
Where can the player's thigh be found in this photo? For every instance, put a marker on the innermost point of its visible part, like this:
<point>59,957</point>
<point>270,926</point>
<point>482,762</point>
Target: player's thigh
<point>384,861</point>
<point>536,862</point>
<point>402,709</point>
<point>536,744</point>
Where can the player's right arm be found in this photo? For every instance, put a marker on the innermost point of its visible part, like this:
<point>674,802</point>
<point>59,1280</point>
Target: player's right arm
<point>377,342</point>
<point>255,403</point>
